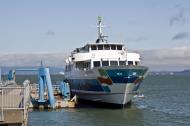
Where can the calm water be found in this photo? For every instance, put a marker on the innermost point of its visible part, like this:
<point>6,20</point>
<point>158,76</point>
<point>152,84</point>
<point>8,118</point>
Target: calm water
<point>166,103</point>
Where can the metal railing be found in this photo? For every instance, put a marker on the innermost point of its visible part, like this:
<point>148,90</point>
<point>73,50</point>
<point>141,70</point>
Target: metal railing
<point>14,98</point>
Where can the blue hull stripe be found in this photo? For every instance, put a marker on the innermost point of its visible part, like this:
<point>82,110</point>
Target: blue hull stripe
<point>125,75</point>
<point>86,84</point>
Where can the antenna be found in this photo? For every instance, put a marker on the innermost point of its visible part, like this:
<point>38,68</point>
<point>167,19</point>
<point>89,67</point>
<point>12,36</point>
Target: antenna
<point>100,33</point>
<point>41,63</point>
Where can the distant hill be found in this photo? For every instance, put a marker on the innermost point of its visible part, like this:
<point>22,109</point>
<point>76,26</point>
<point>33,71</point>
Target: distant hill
<point>184,72</point>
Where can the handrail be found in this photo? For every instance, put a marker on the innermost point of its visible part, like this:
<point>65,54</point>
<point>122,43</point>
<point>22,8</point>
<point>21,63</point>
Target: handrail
<point>1,109</point>
<point>14,98</point>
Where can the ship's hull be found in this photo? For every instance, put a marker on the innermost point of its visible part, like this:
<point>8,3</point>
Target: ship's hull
<point>111,85</point>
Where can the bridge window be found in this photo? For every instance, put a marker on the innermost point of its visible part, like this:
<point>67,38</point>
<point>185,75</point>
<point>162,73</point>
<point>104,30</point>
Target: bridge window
<point>107,47</point>
<point>113,63</point>
<point>77,50</point>
<point>93,47</point>
<point>86,48</point>
<point>113,47</point>
<point>96,63</point>
<point>105,63</point>
<point>122,63</point>
<point>119,47</point>
<point>100,47</point>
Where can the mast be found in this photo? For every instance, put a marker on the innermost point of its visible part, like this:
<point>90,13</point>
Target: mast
<point>100,33</point>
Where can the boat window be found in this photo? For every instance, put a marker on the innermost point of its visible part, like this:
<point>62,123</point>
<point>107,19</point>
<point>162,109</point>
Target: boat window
<point>122,63</point>
<point>113,63</point>
<point>100,47</point>
<point>86,65</point>
<point>86,48</point>
<point>136,63</point>
<point>77,50</point>
<point>119,47</point>
<point>83,65</point>
<point>130,62</point>
<point>79,65</point>
<point>96,63</point>
<point>107,47</point>
<point>105,63</point>
<point>68,67</point>
<point>93,47</point>
<point>113,47</point>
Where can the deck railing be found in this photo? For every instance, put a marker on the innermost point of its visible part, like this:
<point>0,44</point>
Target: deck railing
<point>14,98</point>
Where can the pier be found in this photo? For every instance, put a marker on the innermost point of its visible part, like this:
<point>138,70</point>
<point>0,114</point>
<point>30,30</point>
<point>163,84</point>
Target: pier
<point>14,103</point>
<point>17,99</point>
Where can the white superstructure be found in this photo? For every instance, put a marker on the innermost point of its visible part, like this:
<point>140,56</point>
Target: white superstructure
<point>102,53</point>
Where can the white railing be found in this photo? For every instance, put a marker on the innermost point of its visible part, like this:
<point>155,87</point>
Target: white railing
<point>1,109</point>
<point>34,88</point>
<point>7,82</point>
<point>14,98</point>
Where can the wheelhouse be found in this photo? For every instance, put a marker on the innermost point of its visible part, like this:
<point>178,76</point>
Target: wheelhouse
<point>97,46</point>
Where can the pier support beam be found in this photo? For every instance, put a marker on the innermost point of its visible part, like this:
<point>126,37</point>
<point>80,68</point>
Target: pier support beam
<point>45,81</point>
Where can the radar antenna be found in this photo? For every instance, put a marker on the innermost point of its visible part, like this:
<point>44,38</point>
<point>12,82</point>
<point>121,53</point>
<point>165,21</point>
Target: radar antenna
<point>101,37</point>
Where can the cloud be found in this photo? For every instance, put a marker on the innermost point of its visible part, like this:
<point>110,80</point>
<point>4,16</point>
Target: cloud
<point>167,59</point>
<point>33,59</point>
<point>179,18</point>
<point>50,33</point>
<point>181,35</point>
<point>157,60</point>
<point>139,39</point>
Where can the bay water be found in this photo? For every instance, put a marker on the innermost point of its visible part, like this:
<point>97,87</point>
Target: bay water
<point>166,103</point>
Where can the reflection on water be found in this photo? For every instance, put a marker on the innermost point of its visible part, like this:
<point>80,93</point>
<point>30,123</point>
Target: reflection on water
<point>88,117</point>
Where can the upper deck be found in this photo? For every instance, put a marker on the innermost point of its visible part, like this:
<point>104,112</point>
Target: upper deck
<point>99,51</point>
<point>102,53</point>
<point>99,46</point>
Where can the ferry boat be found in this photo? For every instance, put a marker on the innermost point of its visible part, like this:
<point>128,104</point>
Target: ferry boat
<point>104,72</point>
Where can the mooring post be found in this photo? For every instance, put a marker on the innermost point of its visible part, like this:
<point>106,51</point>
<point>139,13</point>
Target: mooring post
<point>49,87</point>
<point>41,88</point>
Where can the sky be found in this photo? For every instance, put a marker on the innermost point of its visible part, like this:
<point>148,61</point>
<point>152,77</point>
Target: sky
<point>35,26</point>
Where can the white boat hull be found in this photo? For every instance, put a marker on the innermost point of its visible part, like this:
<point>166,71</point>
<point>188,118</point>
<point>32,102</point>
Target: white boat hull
<point>108,88</point>
<point>120,98</point>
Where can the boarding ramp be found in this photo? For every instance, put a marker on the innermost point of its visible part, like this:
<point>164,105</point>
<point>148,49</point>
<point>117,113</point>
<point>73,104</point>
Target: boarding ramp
<point>44,79</point>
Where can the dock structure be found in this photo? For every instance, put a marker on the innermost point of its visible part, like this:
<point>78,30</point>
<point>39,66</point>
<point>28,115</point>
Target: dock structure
<point>14,103</point>
<point>15,100</point>
<point>61,100</point>
<point>44,94</point>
